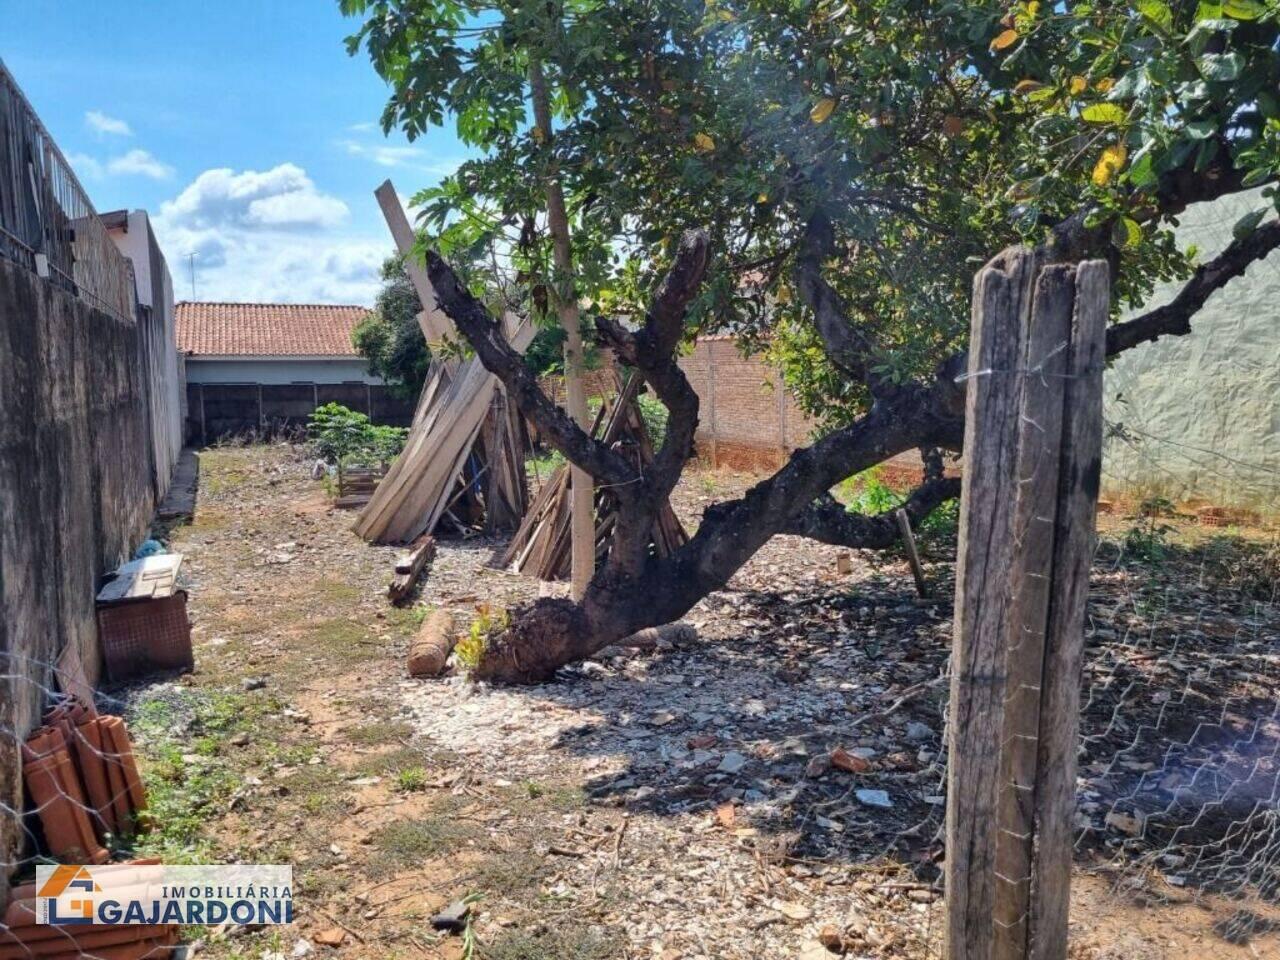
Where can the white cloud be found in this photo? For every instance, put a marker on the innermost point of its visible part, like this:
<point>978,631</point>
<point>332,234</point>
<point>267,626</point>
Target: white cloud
<point>103,125</point>
<point>85,166</point>
<point>269,236</point>
<point>283,196</point>
<point>367,127</point>
<point>141,163</point>
<point>389,155</point>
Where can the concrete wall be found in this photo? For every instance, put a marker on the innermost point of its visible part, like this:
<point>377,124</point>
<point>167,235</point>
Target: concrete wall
<point>280,370</point>
<point>1199,416</point>
<point>76,492</point>
<point>217,410</point>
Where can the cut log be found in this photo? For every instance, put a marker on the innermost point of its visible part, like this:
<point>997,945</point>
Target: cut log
<point>409,567</point>
<point>431,647</point>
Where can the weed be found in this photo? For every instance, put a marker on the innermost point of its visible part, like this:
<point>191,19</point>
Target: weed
<point>380,731</point>
<point>411,779</point>
<point>573,943</point>
<point>471,648</point>
<point>1147,541</point>
<point>867,493</point>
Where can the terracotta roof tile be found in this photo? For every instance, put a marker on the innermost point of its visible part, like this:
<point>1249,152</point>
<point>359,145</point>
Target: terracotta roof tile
<point>267,329</point>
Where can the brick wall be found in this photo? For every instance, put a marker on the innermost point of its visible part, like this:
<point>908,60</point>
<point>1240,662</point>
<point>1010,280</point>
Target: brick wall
<point>747,419</point>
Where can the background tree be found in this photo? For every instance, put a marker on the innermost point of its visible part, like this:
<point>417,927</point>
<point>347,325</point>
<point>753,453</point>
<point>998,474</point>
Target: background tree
<point>851,165</point>
<point>390,339</point>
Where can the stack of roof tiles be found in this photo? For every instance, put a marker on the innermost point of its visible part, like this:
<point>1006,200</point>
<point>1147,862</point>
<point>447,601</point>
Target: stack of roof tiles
<point>83,779</point>
<point>21,938</point>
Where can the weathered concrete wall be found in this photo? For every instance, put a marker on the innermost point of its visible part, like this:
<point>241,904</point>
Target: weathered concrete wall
<point>1199,416</point>
<point>75,493</point>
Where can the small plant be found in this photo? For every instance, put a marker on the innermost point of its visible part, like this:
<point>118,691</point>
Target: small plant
<point>342,435</point>
<point>1148,539</point>
<point>867,493</point>
<point>471,648</point>
<point>411,780</point>
<point>654,413</point>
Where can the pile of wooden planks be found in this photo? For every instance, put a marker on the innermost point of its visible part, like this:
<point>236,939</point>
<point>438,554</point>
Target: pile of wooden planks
<point>540,547</point>
<point>463,461</point>
<point>356,485</point>
<point>447,469</point>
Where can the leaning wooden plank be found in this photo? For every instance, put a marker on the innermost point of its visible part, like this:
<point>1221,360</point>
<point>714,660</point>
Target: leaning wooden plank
<point>430,649</point>
<point>409,566</point>
<point>433,321</point>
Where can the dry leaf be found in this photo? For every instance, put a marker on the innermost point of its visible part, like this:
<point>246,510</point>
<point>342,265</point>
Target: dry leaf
<point>703,143</point>
<point>1006,38</point>
<point>822,110</point>
<point>1078,85</point>
<point>952,126</point>
<point>333,937</point>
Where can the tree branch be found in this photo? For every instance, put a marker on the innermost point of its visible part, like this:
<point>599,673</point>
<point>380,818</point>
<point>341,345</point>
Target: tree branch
<point>827,520</point>
<point>843,343</point>
<point>475,323</point>
<point>1174,318</point>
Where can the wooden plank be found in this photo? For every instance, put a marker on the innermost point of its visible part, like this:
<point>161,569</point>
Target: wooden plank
<point>913,556</point>
<point>435,324</point>
<point>1001,304</point>
<point>409,566</point>
<point>154,576</point>
<point>1059,733</point>
<point>1035,510</point>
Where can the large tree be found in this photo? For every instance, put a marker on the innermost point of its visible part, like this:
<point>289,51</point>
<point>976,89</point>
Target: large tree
<point>834,173</point>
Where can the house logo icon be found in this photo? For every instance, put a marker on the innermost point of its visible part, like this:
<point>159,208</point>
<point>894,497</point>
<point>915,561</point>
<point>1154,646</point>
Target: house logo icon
<point>76,885</point>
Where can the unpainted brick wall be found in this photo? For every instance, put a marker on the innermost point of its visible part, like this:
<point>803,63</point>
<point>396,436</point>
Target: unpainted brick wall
<point>747,419</point>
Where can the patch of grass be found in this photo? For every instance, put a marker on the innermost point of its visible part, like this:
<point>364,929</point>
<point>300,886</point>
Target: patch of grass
<point>337,591</point>
<point>514,874</point>
<point>391,762</point>
<point>380,731</point>
<point>343,640</point>
<point>406,843</point>
<point>569,943</point>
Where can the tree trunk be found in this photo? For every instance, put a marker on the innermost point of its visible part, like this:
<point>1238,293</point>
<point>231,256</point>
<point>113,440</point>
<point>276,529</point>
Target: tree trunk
<point>582,522</point>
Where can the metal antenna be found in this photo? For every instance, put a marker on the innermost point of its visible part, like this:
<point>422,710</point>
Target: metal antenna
<point>192,258</point>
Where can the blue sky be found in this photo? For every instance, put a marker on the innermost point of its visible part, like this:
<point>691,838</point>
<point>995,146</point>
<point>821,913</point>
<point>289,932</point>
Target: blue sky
<point>243,128</point>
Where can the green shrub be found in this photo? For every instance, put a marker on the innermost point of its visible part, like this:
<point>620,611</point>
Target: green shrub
<point>342,435</point>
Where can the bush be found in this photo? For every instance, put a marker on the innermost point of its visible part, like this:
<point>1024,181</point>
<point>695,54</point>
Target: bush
<point>342,435</point>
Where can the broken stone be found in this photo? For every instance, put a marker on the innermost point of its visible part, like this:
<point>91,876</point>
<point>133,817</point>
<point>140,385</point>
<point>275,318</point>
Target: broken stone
<point>332,937</point>
<point>453,918</point>
<point>874,798</point>
<point>732,762</point>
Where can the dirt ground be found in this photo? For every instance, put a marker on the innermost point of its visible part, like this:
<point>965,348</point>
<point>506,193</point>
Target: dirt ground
<point>681,803</point>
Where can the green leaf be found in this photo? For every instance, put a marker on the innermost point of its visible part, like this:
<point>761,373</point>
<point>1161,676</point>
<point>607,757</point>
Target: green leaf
<point>1248,223</point>
<point>1243,9</point>
<point>1127,232</point>
<point>1201,129</point>
<point>1103,113</point>
<point>1157,12</point>
<point>1221,67</point>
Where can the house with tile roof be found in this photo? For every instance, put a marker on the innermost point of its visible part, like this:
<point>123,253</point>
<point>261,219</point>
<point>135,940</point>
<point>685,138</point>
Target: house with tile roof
<point>263,367</point>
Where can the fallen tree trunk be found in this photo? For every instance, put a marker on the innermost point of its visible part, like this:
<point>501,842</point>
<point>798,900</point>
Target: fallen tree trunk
<point>430,649</point>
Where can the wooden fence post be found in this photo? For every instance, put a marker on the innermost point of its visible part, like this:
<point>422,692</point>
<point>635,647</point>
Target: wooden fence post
<point>1032,453</point>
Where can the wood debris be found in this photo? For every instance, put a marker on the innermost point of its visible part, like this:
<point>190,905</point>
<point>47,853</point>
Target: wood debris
<point>409,567</point>
<point>540,547</point>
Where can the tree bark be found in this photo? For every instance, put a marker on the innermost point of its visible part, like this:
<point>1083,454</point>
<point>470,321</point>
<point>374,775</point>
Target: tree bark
<point>582,485</point>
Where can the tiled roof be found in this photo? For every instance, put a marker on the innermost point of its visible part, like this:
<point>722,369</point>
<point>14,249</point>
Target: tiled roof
<point>267,329</point>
